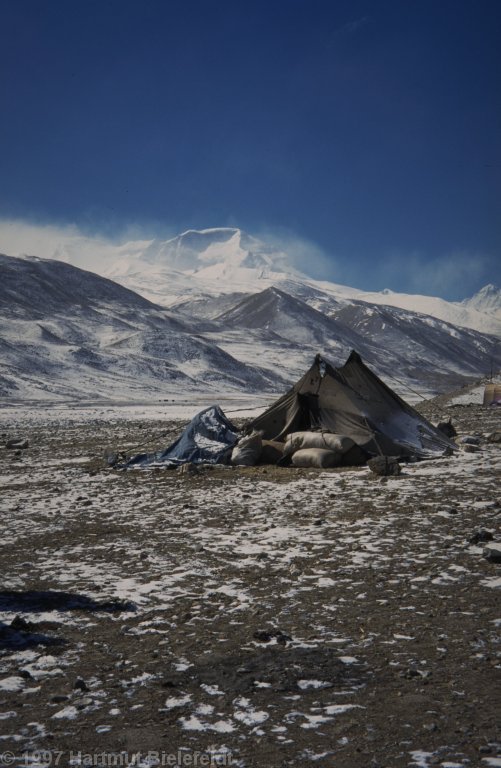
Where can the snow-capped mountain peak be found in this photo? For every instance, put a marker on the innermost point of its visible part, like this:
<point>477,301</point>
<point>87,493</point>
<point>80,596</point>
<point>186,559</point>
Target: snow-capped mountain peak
<point>194,250</point>
<point>487,299</point>
<point>214,260</point>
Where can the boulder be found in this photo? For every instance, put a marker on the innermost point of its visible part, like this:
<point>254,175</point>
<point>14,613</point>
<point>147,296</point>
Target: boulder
<point>384,465</point>
<point>447,428</point>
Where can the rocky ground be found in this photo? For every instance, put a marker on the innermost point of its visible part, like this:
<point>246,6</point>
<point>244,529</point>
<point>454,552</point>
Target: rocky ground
<point>252,617</point>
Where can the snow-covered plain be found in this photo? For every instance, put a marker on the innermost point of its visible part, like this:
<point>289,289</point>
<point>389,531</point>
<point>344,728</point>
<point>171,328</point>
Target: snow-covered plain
<point>280,616</point>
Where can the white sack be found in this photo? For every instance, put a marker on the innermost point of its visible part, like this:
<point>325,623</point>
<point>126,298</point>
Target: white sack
<point>316,457</point>
<point>327,440</point>
<point>248,450</point>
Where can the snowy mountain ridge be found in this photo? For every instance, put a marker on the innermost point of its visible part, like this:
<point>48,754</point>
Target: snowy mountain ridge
<point>218,261</point>
<point>231,315</point>
<point>221,261</point>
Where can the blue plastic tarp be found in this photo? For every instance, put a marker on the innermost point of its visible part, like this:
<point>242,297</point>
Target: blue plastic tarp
<point>208,439</point>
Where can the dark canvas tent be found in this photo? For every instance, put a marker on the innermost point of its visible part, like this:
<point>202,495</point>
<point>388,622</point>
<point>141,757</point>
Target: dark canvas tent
<point>352,401</point>
<point>208,439</point>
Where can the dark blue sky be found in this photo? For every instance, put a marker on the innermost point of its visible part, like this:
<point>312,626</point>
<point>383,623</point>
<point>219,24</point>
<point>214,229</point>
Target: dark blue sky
<point>370,128</point>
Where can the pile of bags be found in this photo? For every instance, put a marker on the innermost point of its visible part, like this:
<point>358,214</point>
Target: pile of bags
<point>301,449</point>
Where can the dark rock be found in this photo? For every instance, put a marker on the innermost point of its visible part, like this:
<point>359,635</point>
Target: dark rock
<point>21,625</point>
<point>17,443</point>
<point>263,636</point>
<point>447,428</point>
<point>59,698</point>
<point>492,554</point>
<point>479,536</point>
<point>470,440</point>
<point>384,465</point>
<point>80,685</point>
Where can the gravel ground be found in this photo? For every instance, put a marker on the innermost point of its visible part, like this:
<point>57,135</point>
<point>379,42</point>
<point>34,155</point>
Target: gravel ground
<point>252,617</point>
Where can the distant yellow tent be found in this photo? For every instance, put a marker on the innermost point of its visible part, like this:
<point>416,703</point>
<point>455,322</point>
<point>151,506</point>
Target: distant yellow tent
<point>492,394</point>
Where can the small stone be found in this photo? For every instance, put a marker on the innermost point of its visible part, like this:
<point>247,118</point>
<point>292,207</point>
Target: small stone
<point>17,443</point>
<point>479,536</point>
<point>493,553</point>
<point>470,440</point>
<point>264,636</point>
<point>59,698</point>
<point>80,685</point>
<point>470,448</point>
<point>83,703</point>
<point>494,437</point>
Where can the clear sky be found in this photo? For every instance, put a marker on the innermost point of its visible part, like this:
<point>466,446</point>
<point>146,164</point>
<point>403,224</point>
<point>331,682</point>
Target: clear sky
<point>371,129</point>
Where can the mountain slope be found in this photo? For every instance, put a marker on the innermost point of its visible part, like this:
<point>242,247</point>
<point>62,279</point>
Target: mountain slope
<point>418,350</point>
<point>65,332</point>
